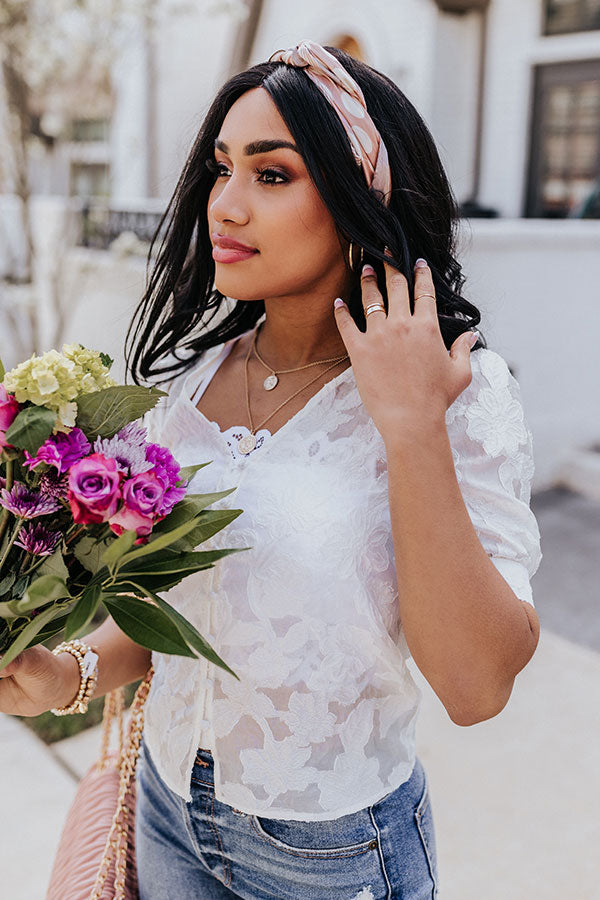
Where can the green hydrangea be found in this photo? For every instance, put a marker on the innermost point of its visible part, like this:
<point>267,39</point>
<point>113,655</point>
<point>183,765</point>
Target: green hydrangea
<point>55,379</point>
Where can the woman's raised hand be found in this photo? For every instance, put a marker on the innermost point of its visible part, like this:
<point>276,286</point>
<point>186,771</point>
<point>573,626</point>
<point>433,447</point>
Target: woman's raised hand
<point>404,374</point>
<point>37,680</point>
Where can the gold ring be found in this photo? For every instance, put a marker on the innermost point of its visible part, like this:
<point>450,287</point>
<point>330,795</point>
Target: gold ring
<point>374,307</point>
<point>426,295</point>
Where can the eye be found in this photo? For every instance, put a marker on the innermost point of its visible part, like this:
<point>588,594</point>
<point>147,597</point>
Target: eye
<point>212,166</point>
<point>216,167</point>
<point>272,173</point>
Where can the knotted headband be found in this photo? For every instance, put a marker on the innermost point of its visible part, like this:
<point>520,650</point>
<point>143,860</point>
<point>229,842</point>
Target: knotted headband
<point>345,95</point>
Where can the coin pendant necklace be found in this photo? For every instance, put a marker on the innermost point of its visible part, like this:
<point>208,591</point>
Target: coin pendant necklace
<point>248,442</point>
<point>272,380</point>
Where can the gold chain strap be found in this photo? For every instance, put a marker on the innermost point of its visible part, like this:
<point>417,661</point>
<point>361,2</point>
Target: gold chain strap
<point>113,709</point>
<point>118,836</point>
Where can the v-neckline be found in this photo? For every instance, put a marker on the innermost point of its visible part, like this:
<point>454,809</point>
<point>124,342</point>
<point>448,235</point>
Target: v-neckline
<point>222,435</point>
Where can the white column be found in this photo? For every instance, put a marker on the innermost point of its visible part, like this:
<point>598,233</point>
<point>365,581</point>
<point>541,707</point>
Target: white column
<point>129,126</point>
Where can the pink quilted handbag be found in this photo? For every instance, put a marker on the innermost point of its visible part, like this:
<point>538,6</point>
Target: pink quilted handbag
<point>95,859</point>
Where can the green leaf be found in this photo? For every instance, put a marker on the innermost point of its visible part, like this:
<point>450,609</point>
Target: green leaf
<point>183,562</point>
<point>54,565</point>
<point>187,472</point>
<point>89,552</point>
<point>7,582</point>
<point>158,543</point>
<point>42,591</point>
<point>31,428</point>
<point>118,548</point>
<point>209,522</point>
<point>48,631</point>
<point>152,582</point>
<point>29,632</point>
<point>191,505</point>
<point>107,411</point>
<point>2,371</point>
<point>190,634</point>
<point>20,586</point>
<point>147,625</point>
<point>106,360</point>
<point>83,612</point>
<point>8,610</point>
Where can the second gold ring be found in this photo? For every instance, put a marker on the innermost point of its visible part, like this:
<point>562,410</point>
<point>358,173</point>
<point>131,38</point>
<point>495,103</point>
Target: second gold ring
<point>374,307</point>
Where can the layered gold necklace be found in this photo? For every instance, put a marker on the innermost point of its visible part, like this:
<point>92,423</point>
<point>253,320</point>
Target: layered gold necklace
<point>248,443</point>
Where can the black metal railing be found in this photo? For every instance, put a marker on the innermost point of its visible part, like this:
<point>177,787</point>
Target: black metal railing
<point>102,223</point>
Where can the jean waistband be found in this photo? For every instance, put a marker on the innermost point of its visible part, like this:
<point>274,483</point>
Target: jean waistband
<point>204,755</point>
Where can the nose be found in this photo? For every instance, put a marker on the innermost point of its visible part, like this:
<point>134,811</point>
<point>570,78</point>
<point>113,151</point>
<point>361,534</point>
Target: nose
<point>228,203</point>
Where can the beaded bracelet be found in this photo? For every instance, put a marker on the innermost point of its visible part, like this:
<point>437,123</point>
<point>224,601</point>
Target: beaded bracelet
<point>87,660</point>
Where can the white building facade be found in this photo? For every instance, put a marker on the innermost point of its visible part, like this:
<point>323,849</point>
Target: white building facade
<point>510,90</point>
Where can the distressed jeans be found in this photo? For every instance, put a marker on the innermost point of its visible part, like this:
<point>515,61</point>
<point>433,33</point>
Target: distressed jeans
<point>207,850</point>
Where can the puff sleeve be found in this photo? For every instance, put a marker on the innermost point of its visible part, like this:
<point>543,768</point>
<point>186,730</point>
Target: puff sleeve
<point>492,450</point>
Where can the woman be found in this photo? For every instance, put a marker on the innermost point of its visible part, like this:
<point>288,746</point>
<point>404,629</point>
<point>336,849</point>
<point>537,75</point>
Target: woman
<point>384,473</point>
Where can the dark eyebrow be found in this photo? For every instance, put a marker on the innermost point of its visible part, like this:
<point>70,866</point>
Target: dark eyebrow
<point>258,146</point>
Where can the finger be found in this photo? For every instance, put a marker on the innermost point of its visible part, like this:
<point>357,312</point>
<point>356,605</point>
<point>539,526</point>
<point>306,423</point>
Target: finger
<point>13,667</point>
<point>460,352</point>
<point>397,291</point>
<point>345,323</point>
<point>371,296</point>
<point>425,298</point>
<point>462,346</point>
<point>373,303</point>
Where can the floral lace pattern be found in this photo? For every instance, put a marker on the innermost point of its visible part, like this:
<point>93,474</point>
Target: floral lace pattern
<point>322,721</point>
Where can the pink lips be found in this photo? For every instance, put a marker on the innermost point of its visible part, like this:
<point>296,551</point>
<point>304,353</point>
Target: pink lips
<point>226,249</point>
<point>227,255</point>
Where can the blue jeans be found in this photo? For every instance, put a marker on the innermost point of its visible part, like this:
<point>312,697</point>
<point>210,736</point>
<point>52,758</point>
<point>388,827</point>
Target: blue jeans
<point>206,850</point>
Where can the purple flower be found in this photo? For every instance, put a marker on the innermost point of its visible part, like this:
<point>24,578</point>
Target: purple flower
<point>168,472</point>
<point>54,485</point>
<point>61,451</point>
<point>94,489</point>
<point>9,410</point>
<point>26,504</point>
<point>38,540</point>
<point>134,434</point>
<point>127,448</point>
<point>142,499</point>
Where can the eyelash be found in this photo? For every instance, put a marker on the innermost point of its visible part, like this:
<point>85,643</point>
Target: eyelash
<point>214,167</point>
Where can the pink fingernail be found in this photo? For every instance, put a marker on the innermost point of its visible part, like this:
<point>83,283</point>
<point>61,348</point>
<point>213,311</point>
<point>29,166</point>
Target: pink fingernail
<point>368,269</point>
<point>421,263</point>
<point>338,302</point>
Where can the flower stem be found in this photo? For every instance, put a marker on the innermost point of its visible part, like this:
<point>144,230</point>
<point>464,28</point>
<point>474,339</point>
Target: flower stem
<point>75,534</point>
<point>5,513</point>
<point>25,563</point>
<point>11,540</point>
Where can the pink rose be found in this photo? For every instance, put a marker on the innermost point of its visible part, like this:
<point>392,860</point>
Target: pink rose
<point>142,501</point>
<point>9,410</point>
<point>94,489</point>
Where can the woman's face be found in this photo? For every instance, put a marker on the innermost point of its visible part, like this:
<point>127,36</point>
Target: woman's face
<point>268,201</point>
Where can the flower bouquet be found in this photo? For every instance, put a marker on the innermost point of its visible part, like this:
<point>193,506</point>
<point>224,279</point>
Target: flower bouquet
<point>91,512</point>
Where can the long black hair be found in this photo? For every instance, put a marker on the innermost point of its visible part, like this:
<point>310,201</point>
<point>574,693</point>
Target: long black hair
<point>170,329</point>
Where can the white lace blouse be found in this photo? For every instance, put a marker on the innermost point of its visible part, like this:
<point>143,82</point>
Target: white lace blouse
<point>322,720</point>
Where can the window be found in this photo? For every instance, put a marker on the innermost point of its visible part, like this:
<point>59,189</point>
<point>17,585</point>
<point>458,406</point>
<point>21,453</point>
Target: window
<point>89,180</point>
<point>564,170</point>
<point>89,130</point>
<point>564,16</point>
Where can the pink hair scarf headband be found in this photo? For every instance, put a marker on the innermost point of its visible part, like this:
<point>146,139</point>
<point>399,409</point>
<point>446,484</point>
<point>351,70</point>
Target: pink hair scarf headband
<point>345,95</point>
